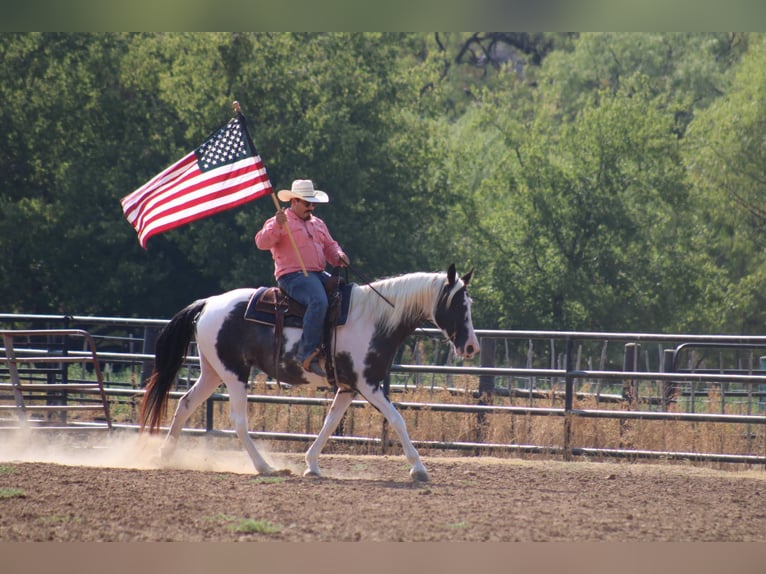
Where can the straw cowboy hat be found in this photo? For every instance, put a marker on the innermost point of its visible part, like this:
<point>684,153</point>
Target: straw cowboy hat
<point>303,189</point>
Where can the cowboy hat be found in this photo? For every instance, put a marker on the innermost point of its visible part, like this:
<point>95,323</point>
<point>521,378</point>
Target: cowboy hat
<point>303,189</point>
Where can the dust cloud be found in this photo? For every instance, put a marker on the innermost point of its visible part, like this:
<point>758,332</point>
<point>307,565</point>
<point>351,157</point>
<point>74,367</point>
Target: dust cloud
<point>129,449</point>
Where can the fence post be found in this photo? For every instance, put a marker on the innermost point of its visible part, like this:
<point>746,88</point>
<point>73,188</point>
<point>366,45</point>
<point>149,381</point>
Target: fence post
<point>630,363</point>
<point>15,380</point>
<point>630,358</point>
<point>762,386</point>
<point>486,384</point>
<point>568,400</point>
<point>64,370</point>
<point>487,359</point>
<point>669,388</point>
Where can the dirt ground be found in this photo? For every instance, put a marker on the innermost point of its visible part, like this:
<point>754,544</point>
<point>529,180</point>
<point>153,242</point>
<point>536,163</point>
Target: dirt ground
<point>114,490</point>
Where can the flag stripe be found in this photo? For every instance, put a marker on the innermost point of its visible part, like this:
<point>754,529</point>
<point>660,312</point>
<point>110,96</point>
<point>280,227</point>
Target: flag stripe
<point>187,190</point>
<point>181,217</point>
<point>194,185</point>
<point>204,198</point>
<point>136,201</point>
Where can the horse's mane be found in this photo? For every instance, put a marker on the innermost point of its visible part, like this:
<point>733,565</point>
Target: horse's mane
<point>413,296</point>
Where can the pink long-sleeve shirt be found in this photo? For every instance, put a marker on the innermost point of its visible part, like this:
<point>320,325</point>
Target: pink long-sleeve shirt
<point>313,239</point>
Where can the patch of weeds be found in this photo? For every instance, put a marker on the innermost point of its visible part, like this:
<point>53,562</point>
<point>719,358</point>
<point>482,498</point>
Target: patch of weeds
<point>5,469</point>
<point>268,479</point>
<point>458,525</point>
<point>8,492</point>
<point>250,526</point>
<point>245,525</point>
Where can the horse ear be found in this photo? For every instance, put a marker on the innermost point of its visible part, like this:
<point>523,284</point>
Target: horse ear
<point>451,275</point>
<point>467,277</point>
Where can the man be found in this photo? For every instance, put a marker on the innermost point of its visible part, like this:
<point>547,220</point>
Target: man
<point>317,248</point>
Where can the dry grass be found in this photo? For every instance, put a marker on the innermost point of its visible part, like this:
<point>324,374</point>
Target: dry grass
<point>500,428</point>
<point>495,428</point>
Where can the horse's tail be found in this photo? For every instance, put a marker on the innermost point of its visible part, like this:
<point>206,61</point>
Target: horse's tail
<point>169,354</point>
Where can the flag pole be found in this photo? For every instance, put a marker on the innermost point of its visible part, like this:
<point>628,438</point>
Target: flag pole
<point>238,111</point>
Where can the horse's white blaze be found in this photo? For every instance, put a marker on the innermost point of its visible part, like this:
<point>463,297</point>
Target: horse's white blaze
<point>473,341</point>
<point>455,288</point>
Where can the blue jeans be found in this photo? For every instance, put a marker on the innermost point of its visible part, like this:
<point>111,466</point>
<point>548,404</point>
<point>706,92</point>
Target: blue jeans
<point>310,291</point>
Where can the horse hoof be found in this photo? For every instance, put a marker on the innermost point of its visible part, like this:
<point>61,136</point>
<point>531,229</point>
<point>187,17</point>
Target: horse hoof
<point>311,473</point>
<point>419,476</point>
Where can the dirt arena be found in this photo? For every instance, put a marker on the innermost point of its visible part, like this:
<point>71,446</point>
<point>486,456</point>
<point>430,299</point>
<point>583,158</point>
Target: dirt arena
<point>114,490</point>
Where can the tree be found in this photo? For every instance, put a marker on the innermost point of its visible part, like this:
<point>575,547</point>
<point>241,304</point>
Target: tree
<point>342,109</point>
<point>686,70</point>
<point>583,220</point>
<point>724,155</point>
<point>563,182</point>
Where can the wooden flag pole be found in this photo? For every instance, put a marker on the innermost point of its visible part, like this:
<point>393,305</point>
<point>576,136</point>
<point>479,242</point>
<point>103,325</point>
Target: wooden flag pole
<point>238,111</point>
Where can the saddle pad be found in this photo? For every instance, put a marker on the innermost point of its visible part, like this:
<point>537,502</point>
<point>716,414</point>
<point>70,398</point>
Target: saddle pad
<point>345,302</point>
<point>291,320</point>
<point>267,317</point>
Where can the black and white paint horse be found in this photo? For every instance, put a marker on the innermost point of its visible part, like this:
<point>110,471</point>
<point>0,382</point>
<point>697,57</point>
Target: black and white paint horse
<point>381,315</point>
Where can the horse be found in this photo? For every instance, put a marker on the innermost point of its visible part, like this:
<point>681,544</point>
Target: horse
<point>381,315</point>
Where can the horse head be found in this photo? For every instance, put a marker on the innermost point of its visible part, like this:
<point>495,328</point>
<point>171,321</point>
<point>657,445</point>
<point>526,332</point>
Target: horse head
<point>453,313</point>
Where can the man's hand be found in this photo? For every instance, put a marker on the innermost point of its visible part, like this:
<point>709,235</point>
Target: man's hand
<point>281,218</point>
<point>343,259</point>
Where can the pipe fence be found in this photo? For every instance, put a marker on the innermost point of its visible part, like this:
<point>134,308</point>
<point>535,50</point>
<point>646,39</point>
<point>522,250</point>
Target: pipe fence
<point>679,372</point>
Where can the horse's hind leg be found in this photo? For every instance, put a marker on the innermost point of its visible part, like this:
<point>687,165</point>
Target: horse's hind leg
<point>377,399</point>
<point>202,388</point>
<point>238,413</point>
<point>339,405</point>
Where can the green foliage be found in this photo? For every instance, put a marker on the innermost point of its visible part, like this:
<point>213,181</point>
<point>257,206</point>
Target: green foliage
<point>246,525</point>
<point>250,526</point>
<point>725,154</point>
<point>462,525</point>
<point>595,181</point>
<point>10,492</point>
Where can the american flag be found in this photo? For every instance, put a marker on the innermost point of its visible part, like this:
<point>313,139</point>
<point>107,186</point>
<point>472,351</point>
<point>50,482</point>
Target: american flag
<point>224,172</point>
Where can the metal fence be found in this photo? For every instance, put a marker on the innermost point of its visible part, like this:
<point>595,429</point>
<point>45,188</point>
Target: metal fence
<point>642,372</point>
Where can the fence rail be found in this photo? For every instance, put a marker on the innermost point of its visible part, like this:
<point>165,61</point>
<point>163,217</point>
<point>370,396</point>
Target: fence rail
<point>567,452</point>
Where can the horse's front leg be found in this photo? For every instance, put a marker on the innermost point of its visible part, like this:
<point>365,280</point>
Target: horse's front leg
<point>339,405</point>
<point>378,399</point>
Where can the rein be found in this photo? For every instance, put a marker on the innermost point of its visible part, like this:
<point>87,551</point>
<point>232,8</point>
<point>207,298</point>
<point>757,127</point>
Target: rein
<point>363,277</point>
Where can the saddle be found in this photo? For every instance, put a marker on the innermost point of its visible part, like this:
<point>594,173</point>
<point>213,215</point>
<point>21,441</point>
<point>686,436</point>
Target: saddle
<point>273,307</point>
